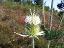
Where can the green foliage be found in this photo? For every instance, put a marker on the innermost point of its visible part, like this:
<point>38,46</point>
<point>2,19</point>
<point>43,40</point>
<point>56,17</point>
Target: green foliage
<point>53,34</point>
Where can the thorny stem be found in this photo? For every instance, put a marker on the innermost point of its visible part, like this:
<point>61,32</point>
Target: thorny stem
<point>51,21</point>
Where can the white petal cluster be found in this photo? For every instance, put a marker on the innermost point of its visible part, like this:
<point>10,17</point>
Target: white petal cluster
<point>33,19</point>
<point>28,19</point>
<point>36,20</point>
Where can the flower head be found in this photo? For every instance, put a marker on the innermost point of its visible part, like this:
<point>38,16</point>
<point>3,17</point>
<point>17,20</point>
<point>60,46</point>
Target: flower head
<point>32,25</point>
<point>33,19</point>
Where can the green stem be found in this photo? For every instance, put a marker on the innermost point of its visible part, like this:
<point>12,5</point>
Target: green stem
<point>43,13</point>
<point>33,43</point>
<point>51,17</point>
<point>49,43</point>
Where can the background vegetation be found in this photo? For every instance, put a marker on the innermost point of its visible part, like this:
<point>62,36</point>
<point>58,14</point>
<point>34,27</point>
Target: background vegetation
<point>11,19</point>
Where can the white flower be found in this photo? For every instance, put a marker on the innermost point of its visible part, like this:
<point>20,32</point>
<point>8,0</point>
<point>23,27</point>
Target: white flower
<point>32,19</point>
<point>28,19</point>
<point>36,20</point>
